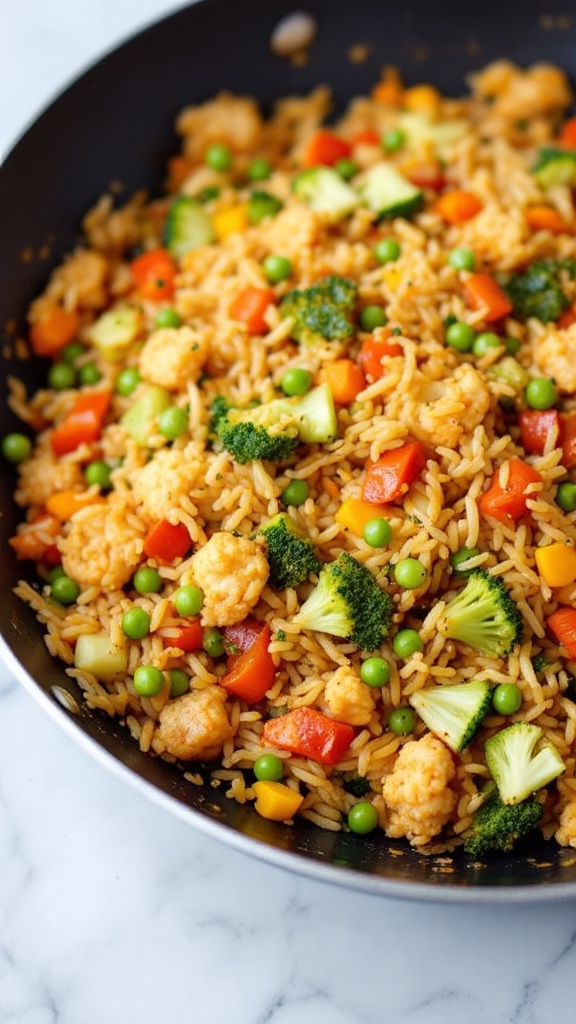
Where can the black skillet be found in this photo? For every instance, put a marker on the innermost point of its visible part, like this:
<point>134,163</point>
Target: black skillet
<point>115,125</point>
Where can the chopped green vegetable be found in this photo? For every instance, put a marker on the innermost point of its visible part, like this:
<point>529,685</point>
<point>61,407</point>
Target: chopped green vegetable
<point>187,227</point>
<point>420,131</point>
<point>139,418</point>
<point>291,554</point>
<point>115,331</point>
<point>388,193</point>
<point>262,204</point>
<point>483,615</point>
<point>538,292</point>
<point>323,311</point>
<point>323,190</point>
<point>498,826</point>
<point>453,713</point>
<point>555,166</point>
<point>521,761</point>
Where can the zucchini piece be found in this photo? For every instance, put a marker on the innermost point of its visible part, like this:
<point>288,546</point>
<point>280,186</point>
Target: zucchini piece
<point>323,190</point>
<point>555,167</point>
<point>316,416</point>
<point>454,713</point>
<point>388,193</point>
<point>115,330</point>
<point>188,227</point>
<point>420,131</point>
<point>139,417</point>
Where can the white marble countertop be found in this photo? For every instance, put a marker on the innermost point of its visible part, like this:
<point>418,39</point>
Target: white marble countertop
<point>112,912</point>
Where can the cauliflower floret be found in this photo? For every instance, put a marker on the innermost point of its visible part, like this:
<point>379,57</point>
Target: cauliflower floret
<point>232,573</point>
<point>233,120</point>
<point>80,282</point>
<point>158,486</point>
<point>439,412</point>
<point>173,355</point>
<point>566,832</point>
<point>516,93</point>
<point>347,698</point>
<point>196,725</point>
<point>554,356</point>
<point>417,793</point>
<point>104,545</point>
<point>44,474</point>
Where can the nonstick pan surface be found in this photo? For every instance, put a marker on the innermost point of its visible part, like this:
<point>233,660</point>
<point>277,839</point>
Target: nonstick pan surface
<point>114,125</point>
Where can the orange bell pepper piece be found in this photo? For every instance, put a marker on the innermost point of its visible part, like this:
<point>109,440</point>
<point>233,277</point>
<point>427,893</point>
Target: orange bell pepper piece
<point>546,218</point>
<point>373,350</point>
<point>252,672</point>
<point>36,540</point>
<point>153,273</point>
<point>63,504</point>
<point>507,504</point>
<point>249,308</point>
<point>390,477</point>
<point>345,380</point>
<point>53,331</point>
<point>562,624</point>
<point>82,424</point>
<point>309,733</point>
<point>482,292</point>
<point>457,206</point>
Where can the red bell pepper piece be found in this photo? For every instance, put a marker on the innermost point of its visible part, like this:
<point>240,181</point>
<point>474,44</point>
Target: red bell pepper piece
<point>190,637</point>
<point>568,439</point>
<point>567,133</point>
<point>373,350</point>
<point>36,540</point>
<point>249,308</point>
<point>309,733</point>
<point>390,477</point>
<point>83,424</point>
<point>367,137</point>
<point>536,427</point>
<point>325,148</point>
<point>251,673</point>
<point>562,623</point>
<point>166,541</point>
<point>509,504</point>
<point>153,273</point>
<point>483,292</point>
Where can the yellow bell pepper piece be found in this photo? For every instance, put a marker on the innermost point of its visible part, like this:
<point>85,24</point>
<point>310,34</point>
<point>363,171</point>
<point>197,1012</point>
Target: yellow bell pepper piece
<point>232,218</point>
<point>64,504</point>
<point>422,98</point>
<point>556,564</point>
<point>355,513</point>
<point>276,801</point>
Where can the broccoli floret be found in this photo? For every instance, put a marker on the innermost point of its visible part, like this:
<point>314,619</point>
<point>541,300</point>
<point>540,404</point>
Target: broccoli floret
<point>538,290</point>
<point>555,166</point>
<point>521,761</point>
<point>483,615</point>
<point>324,310</point>
<point>291,554</point>
<point>273,430</point>
<point>453,713</point>
<point>348,602</point>
<point>498,826</point>
<point>356,785</point>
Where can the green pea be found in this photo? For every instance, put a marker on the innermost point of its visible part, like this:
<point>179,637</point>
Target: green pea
<point>167,318</point>
<point>513,346</point>
<point>402,720</point>
<point>64,590</point>
<point>460,336</point>
<point>147,580</point>
<point>566,496</point>
<point>61,376</point>
<point>346,168</point>
<point>179,682</point>
<point>16,447</point>
<point>55,573</point>
<point>377,533</point>
<point>375,671</point>
<point>296,381</point>
<point>71,352</point>
<point>277,268</point>
<point>148,680</point>
<point>540,393</point>
<point>460,556</point>
<point>295,493</point>
<point>218,157</point>
<point>386,250</point>
<point>269,768</point>
<point>98,472</point>
<point>406,643</point>
<point>461,258</point>
<point>409,573</point>
<point>89,374</point>
<point>393,140</point>
<point>372,317</point>
<point>127,381</point>
<point>484,342</point>
<point>173,422</point>
<point>507,699</point>
<point>362,818</point>
<point>188,600</point>
<point>213,642</point>
<point>259,169</point>
<point>136,623</point>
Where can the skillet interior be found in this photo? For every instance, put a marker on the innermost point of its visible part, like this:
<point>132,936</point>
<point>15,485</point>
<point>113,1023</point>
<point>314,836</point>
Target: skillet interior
<point>114,125</point>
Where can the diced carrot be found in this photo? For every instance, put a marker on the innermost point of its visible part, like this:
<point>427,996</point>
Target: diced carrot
<point>562,623</point>
<point>153,273</point>
<point>63,504</point>
<point>536,427</point>
<point>389,90</point>
<point>425,174</point>
<point>390,477</point>
<point>484,293</point>
<point>252,672</point>
<point>82,424</point>
<point>275,800</point>
<point>53,331</point>
<point>556,564</point>
<point>546,218</point>
<point>249,308</point>
<point>508,503</point>
<point>344,378</point>
<point>568,438</point>
<point>35,540</point>
<point>368,137</point>
<point>374,349</point>
<point>567,133</point>
<point>355,513</point>
<point>190,637</point>
<point>309,733</point>
<point>166,541</point>
<point>324,148</point>
<point>457,206</point>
